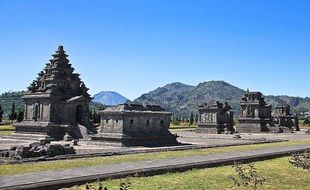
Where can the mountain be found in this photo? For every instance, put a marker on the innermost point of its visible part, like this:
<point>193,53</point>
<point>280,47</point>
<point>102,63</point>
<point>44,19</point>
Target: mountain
<point>179,98</point>
<point>183,99</point>
<point>170,96</point>
<point>297,104</point>
<point>109,98</point>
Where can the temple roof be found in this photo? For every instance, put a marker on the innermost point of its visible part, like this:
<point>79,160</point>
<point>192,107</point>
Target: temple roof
<point>135,107</point>
<point>58,78</point>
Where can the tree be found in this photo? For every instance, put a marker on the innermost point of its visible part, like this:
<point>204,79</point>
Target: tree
<point>95,117</point>
<point>1,113</point>
<point>191,121</point>
<point>307,121</point>
<point>20,115</point>
<point>13,114</point>
<point>196,119</point>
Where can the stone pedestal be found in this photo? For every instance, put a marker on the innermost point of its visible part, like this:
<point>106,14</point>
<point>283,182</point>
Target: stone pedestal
<point>209,129</point>
<point>55,132</point>
<point>125,140</point>
<point>251,125</point>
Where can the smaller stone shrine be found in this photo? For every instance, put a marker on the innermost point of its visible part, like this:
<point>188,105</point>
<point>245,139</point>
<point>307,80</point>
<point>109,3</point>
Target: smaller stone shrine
<point>135,125</point>
<point>283,120</point>
<point>255,115</point>
<point>214,118</point>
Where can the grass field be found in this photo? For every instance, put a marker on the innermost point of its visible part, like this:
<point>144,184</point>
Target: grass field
<point>279,174</point>
<point>6,129</point>
<point>302,126</point>
<point>67,164</point>
<point>183,126</point>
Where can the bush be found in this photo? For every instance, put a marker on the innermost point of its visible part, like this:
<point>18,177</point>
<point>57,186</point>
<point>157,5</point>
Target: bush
<point>94,116</point>
<point>20,116</point>
<point>307,121</point>
<point>175,122</point>
<point>301,160</point>
<point>246,176</point>
<point>124,185</point>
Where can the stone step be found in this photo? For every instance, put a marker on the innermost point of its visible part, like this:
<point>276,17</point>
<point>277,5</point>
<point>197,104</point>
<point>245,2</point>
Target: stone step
<point>24,136</point>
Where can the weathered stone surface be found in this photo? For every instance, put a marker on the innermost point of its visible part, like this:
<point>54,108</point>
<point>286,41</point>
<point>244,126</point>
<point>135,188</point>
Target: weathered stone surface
<point>67,137</point>
<point>283,119</point>
<point>255,113</point>
<point>56,102</point>
<point>215,118</point>
<point>256,116</point>
<point>37,149</point>
<point>133,124</point>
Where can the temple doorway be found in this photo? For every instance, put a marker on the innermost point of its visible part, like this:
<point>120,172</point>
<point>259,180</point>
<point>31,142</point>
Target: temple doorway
<point>78,114</point>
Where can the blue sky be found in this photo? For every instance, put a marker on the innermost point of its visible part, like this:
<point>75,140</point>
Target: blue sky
<point>134,46</point>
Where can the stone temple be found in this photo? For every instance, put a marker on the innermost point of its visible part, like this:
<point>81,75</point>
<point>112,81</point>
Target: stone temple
<point>214,118</point>
<point>255,115</point>
<point>284,120</point>
<point>57,102</point>
<point>135,125</point>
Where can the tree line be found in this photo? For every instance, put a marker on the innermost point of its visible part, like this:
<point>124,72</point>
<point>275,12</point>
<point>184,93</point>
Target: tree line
<point>177,119</point>
<point>13,115</point>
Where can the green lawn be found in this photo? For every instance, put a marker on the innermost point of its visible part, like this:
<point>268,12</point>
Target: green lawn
<point>182,126</point>
<point>6,129</point>
<point>66,164</point>
<point>302,126</point>
<point>279,174</point>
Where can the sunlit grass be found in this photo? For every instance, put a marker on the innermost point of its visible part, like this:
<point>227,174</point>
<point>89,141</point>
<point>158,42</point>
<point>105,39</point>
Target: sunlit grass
<point>183,126</point>
<point>279,174</point>
<point>6,129</point>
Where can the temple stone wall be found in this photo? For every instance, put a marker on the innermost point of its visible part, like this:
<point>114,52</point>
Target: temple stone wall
<point>255,115</point>
<point>250,127</point>
<point>137,125</point>
<point>283,119</point>
<point>111,124</point>
<point>215,118</point>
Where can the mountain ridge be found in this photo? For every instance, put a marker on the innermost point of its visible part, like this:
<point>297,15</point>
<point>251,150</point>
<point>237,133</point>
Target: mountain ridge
<point>186,101</point>
<point>182,99</point>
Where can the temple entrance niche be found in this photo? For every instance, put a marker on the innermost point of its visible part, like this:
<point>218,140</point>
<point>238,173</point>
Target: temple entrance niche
<point>78,114</point>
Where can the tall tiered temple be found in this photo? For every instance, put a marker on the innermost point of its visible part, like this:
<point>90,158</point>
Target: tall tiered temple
<point>57,102</point>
